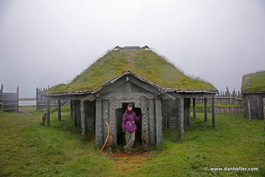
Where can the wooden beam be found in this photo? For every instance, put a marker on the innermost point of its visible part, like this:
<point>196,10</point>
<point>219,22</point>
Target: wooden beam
<point>59,110</point>
<point>71,108</point>
<point>99,124</point>
<point>75,113</point>
<point>105,118</point>
<point>83,120</point>
<point>48,113</point>
<point>213,112</point>
<point>167,96</point>
<point>143,85</point>
<point>90,97</point>
<point>194,108</point>
<point>188,111</point>
<point>181,119</point>
<point>128,87</point>
<point>159,135</point>
<point>205,109</point>
<point>151,122</point>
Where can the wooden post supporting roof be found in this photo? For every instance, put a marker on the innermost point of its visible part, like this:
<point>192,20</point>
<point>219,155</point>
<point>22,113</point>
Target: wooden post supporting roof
<point>213,112</point>
<point>71,108</point>
<point>99,124</point>
<point>188,111</point>
<point>59,110</point>
<point>159,135</point>
<point>83,120</point>
<point>75,113</point>
<point>151,122</point>
<point>181,119</point>
<point>194,108</point>
<point>48,112</point>
<point>205,109</point>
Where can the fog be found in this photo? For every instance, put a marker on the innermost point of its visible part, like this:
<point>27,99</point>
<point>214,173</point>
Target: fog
<point>50,42</point>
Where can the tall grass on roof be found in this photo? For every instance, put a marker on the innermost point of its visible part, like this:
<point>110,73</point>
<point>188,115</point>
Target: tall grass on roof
<point>254,82</point>
<point>145,63</point>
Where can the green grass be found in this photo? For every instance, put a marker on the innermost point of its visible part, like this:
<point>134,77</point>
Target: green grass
<point>254,82</point>
<point>145,63</point>
<point>27,149</point>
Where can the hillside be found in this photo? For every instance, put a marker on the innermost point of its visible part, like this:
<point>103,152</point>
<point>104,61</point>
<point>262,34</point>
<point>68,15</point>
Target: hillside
<point>145,63</point>
<point>254,82</point>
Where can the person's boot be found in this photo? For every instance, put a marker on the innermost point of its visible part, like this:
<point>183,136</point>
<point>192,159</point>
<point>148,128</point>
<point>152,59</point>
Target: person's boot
<point>130,152</point>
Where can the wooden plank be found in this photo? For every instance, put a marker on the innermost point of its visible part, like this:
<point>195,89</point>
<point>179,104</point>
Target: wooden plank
<point>213,112</point>
<point>143,85</point>
<point>151,122</point>
<point>181,119</point>
<point>48,113</point>
<point>205,109</point>
<point>59,110</point>
<point>99,125</point>
<point>83,120</point>
<point>194,108</point>
<point>128,87</point>
<point>105,118</point>
<point>159,135</point>
<point>144,118</point>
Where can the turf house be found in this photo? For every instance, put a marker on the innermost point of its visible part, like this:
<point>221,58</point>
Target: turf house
<point>253,90</point>
<point>155,87</point>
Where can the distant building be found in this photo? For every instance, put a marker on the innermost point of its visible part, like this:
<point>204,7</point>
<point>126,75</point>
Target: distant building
<point>253,90</point>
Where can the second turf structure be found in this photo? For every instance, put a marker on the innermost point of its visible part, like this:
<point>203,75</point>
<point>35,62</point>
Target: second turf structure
<point>156,88</point>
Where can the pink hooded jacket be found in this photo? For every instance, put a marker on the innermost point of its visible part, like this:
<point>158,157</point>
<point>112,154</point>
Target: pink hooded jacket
<point>127,123</point>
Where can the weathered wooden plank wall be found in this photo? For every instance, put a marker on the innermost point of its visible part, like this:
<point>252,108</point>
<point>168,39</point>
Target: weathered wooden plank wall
<point>9,101</point>
<point>41,101</point>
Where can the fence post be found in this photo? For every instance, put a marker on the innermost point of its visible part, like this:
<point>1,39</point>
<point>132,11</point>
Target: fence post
<point>249,111</point>
<point>17,99</point>
<point>264,111</point>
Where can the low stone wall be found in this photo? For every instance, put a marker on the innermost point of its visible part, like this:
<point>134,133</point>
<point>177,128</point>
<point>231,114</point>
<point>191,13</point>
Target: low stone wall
<point>228,110</point>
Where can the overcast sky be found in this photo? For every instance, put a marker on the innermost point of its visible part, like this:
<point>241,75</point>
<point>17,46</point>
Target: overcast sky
<point>47,42</point>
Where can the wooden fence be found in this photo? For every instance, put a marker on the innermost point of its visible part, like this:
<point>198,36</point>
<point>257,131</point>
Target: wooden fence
<point>9,101</point>
<point>41,101</point>
<point>225,98</point>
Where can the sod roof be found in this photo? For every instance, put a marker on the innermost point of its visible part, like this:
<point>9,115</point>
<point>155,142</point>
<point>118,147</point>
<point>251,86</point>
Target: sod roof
<point>254,82</point>
<point>144,63</point>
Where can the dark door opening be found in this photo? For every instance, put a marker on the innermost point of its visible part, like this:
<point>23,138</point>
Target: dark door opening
<point>120,135</point>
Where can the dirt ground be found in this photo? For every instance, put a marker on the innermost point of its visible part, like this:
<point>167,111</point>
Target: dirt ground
<point>125,162</point>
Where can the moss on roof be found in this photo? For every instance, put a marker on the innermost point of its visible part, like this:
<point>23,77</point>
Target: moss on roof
<point>254,82</point>
<point>145,63</point>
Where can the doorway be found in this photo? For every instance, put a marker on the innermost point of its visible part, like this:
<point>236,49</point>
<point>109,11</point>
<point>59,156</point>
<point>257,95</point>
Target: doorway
<point>120,135</point>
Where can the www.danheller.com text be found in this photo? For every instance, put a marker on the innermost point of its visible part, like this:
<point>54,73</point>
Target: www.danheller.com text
<point>232,169</point>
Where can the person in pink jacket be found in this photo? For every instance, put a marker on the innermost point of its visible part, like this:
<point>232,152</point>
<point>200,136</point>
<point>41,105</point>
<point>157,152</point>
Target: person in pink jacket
<point>129,126</point>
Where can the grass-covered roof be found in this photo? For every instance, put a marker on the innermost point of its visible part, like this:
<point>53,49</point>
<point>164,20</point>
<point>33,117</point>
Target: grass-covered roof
<point>145,63</point>
<point>254,82</point>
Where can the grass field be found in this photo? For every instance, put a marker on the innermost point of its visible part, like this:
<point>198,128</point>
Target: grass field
<point>27,149</point>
